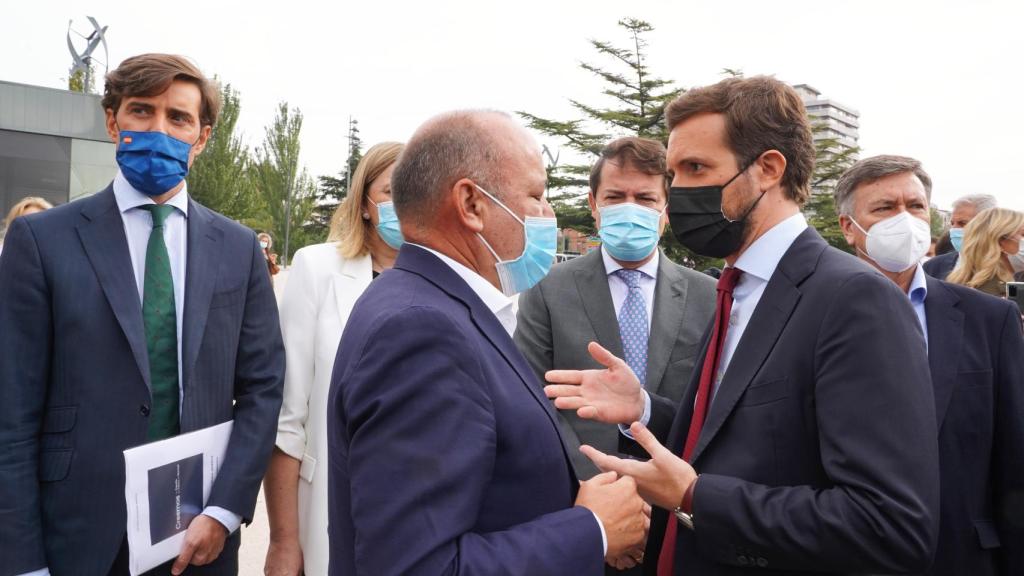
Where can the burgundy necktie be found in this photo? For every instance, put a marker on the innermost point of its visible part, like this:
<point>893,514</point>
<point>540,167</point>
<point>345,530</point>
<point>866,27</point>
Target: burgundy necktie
<point>723,306</point>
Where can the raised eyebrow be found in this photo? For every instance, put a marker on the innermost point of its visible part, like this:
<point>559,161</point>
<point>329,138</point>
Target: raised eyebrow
<point>145,105</point>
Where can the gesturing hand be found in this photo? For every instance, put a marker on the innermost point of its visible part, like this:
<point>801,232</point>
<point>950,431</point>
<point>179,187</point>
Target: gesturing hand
<point>204,541</point>
<point>662,480</point>
<point>613,395</point>
<point>621,511</point>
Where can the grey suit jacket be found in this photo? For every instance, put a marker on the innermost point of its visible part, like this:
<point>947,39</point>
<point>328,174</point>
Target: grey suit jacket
<point>572,306</point>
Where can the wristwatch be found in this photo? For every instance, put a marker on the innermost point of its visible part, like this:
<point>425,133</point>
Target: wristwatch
<point>684,518</point>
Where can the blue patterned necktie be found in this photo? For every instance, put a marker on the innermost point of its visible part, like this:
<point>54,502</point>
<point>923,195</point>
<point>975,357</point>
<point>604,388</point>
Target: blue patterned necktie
<point>633,326</point>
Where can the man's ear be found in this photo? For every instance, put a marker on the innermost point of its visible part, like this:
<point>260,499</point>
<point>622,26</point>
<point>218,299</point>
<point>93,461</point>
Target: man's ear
<point>111,123</point>
<point>200,145</point>
<point>771,167</point>
<point>470,205</point>
<point>848,228</point>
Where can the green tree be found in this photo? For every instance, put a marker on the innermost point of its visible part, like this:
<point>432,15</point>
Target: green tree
<point>333,189</point>
<point>220,177</point>
<point>76,82</point>
<point>832,158</point>
<point>288,193</point>
<point>635,106</point>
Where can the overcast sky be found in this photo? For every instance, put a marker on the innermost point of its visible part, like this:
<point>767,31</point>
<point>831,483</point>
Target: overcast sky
<point>937,80</point>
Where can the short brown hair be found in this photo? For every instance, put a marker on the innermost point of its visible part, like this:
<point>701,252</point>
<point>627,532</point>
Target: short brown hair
<point>152,74</point>
<point>761,114</point>
<point>643,154</point>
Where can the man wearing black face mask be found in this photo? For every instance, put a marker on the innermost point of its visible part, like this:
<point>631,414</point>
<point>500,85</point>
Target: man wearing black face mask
<point>806,441</point>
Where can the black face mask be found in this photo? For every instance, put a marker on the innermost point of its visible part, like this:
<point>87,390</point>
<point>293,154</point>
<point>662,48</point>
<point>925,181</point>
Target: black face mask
<point>695,214</point>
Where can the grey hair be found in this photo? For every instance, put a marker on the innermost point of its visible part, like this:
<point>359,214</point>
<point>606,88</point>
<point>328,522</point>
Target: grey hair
<point>872,169</point>
<point>979,201</point>
<point>446,149</point>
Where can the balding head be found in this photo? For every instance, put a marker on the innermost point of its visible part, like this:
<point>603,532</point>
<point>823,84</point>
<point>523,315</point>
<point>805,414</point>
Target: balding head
<point>474,144</point>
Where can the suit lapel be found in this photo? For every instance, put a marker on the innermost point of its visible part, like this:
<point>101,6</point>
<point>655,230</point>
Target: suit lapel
<point>419,261</point>
<point>773,310</point>
<point>592,280</point>
<point>106,246</point>
<point>356,275</point>
<point>669,307</point>
<point>945,336</point>
<point>202,267</point>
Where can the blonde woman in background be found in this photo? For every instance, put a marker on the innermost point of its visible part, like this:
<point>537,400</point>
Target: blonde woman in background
<point>992,251</point>
<point>325,281</point>
<point>25,206</point>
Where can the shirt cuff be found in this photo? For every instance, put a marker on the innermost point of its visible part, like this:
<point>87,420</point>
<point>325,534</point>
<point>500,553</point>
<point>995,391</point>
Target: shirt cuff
<point>230,520</point>
<point>604,535</point>
<point>46,571</point>
<point>644,418</point>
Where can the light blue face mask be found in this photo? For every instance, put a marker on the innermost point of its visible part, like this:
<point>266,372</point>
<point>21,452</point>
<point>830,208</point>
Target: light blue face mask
<point>388,227</point>
<point>538,254</point>
<point>629,231</point>
<point>956,238</point>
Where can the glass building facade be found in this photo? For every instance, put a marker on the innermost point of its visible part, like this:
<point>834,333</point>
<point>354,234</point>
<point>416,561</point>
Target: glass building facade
<point>53,144</point>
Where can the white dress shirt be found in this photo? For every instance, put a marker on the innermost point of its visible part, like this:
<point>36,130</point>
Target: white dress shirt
<point>617,286</point>
<point>504,309</point>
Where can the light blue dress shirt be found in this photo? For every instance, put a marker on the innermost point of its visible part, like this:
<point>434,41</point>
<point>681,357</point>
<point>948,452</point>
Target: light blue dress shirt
<point>758,262</point>
<point>918,293</point>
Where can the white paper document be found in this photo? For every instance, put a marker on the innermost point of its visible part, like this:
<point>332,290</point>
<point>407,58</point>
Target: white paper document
<point>167,484</point>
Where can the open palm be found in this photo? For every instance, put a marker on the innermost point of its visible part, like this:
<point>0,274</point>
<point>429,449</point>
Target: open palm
<point>611,395</point>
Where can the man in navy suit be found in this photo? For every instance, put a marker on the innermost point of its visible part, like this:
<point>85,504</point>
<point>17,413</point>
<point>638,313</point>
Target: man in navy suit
<point>445,457</point>
<point>965,209</point>
<point>806,441</point>
<point>976,354</point>
<point>129,316</point>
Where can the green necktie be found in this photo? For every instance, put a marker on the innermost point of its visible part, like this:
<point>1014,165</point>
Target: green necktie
<point>161,329</point>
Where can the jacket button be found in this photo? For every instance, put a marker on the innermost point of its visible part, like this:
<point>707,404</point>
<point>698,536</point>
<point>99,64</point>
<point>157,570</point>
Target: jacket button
<point>743,560</point>
<point>762,563</point>
<point>144,410</point>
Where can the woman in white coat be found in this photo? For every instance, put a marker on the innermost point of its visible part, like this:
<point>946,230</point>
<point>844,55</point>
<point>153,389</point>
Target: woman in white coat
<point>324,282</point>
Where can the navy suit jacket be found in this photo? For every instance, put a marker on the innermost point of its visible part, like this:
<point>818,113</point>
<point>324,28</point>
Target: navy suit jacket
<point>819,450</point>
<point>74,377</point>
<point>941,265</point>
<point>444,454</point>
<point>976,353</point>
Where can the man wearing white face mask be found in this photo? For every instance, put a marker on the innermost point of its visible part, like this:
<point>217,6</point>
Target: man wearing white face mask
<point>628,296</point>
<point>976,356</point>
<point>444,455</point>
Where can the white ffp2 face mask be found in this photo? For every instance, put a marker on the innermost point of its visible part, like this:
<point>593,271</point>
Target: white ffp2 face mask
<point>897,243</point>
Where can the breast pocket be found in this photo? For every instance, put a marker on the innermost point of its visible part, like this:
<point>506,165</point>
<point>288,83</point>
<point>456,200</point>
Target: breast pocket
<point>765,392</point>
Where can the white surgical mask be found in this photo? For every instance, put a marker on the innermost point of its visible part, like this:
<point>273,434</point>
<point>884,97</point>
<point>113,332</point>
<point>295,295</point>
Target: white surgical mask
<point>897,243</point>
<point>1017,260</point>
<point>264,244</point>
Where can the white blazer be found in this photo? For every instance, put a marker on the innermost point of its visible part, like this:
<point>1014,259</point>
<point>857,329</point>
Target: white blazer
<point>318,298</point>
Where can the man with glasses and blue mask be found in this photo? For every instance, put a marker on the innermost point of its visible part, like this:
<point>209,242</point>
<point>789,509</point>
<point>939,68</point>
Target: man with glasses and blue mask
<point>965,209</point>
<point>806,441</point>
<point>627,296</point>
<point>130,316</point>
<point>444,454</point>
<point>976,356</point>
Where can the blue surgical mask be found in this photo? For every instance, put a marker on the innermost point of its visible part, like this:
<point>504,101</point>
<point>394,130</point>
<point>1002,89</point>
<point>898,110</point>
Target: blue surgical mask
<point>956,238</point>
<point>388,227</point>
<point>629,231</point>
<point>152,162</point>
<point>538,254</point>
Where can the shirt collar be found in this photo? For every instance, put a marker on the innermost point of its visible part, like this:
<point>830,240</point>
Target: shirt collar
<point>493,298</point>
<point>918,286</point>
<point>650,268</point>
<point>762,257</point>
<point>127,197</point>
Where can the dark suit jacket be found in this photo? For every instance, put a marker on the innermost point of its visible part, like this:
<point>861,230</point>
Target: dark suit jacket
<point>941,265</point>
<point>74,377</point>
<point>573,306</point>
<point>819,451</point>
<point>444,453</point>
<point>976,353</point>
